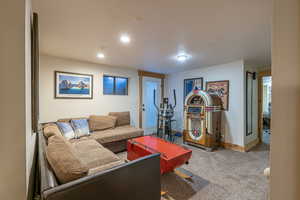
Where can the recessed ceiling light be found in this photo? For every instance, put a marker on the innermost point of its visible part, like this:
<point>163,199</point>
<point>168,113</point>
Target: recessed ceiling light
<point>182,57</point>
<point>100,55</point>
<point>125,39</point>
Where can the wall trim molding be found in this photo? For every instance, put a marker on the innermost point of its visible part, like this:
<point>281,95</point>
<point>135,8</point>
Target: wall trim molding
<point>151,74</point>
<point>233,147</point>
<point>252,144</point>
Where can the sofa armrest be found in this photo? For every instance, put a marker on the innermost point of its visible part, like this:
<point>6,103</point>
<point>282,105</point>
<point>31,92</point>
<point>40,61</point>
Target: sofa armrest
<point>46,175</point>
<point>136,180</point>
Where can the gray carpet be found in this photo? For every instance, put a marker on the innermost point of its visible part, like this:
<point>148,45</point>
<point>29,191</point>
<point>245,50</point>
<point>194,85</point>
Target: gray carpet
<point>220,175</point>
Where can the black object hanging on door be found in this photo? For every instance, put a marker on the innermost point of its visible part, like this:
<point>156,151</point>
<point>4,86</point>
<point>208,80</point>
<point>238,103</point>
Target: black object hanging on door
<point>165,114</point>
<point>250,77</point>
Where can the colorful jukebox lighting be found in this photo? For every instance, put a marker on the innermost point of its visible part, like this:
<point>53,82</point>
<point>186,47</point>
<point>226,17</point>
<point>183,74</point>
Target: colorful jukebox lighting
<point>202,119</point>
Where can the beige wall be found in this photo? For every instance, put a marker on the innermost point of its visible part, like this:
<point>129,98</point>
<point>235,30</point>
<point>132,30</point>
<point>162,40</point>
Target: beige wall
<point>52,109</point>
<point>12,101</point>
<point>285,148</point>
<point>30,136</point>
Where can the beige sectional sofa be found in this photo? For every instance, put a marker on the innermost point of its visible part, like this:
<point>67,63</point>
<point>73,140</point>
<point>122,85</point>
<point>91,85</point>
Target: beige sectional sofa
<point>88,168</point>
<point>91,153</point>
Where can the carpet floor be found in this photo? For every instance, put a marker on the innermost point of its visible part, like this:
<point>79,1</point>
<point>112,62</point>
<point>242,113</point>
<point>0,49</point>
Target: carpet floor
<point>220,175</point>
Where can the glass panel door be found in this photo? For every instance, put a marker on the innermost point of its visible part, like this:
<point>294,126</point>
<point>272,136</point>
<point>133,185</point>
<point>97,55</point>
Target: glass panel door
<point>149,111</point>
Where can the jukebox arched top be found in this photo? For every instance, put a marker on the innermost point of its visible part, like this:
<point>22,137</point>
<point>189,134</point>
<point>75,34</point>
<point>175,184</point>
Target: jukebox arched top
<point>198,97</point>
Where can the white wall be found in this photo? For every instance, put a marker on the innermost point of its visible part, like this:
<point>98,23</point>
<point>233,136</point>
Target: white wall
<point>52,109</point>
<point>233,126</point>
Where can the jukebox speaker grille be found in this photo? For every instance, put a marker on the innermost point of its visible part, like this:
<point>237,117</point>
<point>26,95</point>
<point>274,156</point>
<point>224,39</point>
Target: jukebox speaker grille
<point>195,130</point>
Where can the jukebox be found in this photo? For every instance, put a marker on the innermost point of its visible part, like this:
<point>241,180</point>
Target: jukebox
<point>202,120</point>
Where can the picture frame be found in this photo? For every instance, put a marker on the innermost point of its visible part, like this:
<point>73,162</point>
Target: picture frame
<point>191,84</point>
<point>70,85</point>
<point>221,89</point>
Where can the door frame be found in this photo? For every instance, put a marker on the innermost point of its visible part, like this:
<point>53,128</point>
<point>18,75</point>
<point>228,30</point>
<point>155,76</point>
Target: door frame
<point>260,97</point>
<point>142,74</point>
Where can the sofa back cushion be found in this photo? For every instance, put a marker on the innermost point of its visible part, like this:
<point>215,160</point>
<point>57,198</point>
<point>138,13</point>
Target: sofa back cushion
<point>123,118</point>
<point>81,127</point>
<point>51,129</point>
<point>98,122</point>
<point>68,120</point>
<point>62,158</point>
<point>66,130</point>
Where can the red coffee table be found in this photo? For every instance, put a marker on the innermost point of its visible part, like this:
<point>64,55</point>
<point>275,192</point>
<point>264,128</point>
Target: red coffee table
<point>172,155</point>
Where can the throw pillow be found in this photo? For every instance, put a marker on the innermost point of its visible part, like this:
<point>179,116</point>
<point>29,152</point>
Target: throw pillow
<point>66,130</point>
<point>123,118</point>
<point>98,123</point>
<point>81,127</point>
<point>51,129</point>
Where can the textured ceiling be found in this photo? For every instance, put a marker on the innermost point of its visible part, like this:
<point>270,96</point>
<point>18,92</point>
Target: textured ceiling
<point>211,31</point>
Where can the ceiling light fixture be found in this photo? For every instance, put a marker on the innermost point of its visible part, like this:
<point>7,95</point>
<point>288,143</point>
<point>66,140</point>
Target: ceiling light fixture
<point>125,39</point>
<point>182,57</point>
<point>100,55</point>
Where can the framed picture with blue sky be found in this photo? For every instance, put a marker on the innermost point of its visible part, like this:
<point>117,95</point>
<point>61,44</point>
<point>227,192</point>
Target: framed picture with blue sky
<point>192,84</point>
<point>73,85</point>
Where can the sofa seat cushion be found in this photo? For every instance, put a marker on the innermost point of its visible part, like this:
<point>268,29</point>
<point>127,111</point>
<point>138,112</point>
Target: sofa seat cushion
<point>92,154</point>
<point>74,140</point>
<point>63,160</point>
<point>117,134</point>
<point>105,167</point>
<point>85,144</point>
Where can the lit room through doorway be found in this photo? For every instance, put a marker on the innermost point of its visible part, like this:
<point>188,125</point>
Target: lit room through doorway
<point>266,108</point>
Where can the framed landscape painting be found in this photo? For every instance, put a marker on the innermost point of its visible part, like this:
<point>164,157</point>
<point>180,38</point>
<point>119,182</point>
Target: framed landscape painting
<point>220,88</point>
<point>73,85</point>
<point>192,84</point>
